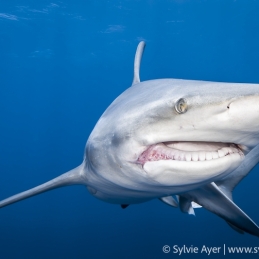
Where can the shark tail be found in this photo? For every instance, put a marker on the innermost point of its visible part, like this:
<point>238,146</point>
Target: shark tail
<point>71,177</point>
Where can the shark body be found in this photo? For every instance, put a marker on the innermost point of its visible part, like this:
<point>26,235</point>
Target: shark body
<point>166,138</point>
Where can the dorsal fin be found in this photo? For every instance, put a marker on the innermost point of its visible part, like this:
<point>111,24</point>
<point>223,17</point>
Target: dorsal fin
<point>137,61</point>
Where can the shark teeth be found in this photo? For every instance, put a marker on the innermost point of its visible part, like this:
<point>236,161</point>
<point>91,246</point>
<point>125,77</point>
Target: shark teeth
<point>162,151</point>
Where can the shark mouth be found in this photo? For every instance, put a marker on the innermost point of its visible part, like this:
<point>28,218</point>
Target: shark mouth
<point>189,151</point>
<point>186,165</point>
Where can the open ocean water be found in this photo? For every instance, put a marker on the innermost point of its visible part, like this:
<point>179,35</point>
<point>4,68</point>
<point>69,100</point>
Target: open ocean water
<point>61,64</point>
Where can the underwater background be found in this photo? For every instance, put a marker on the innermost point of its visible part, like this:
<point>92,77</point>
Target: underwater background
<point>61,64</point>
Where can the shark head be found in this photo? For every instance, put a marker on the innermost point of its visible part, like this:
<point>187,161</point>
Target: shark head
<point>168,136</point>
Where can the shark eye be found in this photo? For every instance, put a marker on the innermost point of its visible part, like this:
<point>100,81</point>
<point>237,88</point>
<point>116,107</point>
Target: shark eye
<point>181,106</point>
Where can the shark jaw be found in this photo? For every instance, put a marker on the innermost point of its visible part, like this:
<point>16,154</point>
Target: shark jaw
<point>178,163</point>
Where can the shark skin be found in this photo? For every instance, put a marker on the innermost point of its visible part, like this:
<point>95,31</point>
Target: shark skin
<point>166,138</point>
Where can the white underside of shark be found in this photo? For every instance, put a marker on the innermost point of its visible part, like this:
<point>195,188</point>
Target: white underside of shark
<point>187,143</point>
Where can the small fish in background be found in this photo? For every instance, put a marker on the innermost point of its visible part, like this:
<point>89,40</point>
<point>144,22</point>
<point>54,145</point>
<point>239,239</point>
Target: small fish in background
<point>187,143</point>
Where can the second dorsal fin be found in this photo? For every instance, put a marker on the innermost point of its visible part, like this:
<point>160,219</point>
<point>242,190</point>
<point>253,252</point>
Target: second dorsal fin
<point>137,61</point>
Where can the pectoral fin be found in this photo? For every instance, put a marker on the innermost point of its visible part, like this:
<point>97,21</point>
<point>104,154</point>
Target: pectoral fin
<point>215,200</point>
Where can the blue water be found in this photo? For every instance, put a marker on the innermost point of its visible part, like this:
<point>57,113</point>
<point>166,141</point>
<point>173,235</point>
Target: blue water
<point>61,65</point>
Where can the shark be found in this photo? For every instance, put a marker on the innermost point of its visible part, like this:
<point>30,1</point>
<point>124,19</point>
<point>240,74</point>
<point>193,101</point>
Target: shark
<point>187,143</point>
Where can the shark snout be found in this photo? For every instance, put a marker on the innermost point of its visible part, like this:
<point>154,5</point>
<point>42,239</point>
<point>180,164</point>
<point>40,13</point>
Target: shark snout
<point>245,109</point>
<point>243,115</point>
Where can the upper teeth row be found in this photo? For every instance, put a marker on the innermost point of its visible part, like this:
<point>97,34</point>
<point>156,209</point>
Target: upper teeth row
<point>161,152</point>
<point>199,155</point>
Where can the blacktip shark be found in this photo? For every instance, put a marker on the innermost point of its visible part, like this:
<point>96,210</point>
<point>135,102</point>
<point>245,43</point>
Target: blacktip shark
<point>185,142</point>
